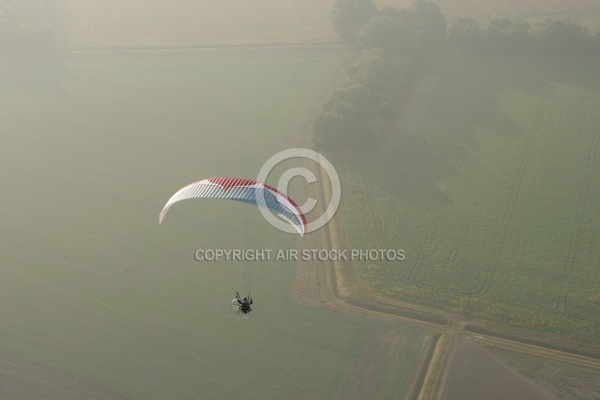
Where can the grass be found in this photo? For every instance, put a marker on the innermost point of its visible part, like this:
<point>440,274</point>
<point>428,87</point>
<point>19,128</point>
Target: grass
<point>488,185</point>
<point>93,286</point>
<point>567,381</point>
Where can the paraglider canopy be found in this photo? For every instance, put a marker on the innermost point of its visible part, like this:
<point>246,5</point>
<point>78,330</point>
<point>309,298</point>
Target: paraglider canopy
<point>244,190</point>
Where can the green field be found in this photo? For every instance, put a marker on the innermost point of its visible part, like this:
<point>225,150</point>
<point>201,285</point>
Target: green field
<point>92,286</point>
<point>566,380</point>
<point>490,184</point>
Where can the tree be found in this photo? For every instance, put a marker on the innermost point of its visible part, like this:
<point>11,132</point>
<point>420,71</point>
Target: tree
<point>349,120</point>
<point>414,31</point>
<point>348,17</point>
<point>563,37</point>
<point>428,19</point>
<point>465,32</point>
<point>381,73</point>
<point>505,35</point>
<point>386,31</point>
<point>394,43</point>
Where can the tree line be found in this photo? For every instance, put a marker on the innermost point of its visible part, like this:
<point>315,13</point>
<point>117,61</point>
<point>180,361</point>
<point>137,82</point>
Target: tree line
<point>392,44</point>
<point>554,37</point>
<point>395,44</point>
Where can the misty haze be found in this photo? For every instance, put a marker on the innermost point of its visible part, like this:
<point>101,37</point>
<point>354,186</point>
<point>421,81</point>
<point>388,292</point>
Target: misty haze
<point>415,186</point>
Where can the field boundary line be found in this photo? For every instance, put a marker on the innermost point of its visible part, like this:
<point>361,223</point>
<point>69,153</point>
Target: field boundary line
<point>219,46</point>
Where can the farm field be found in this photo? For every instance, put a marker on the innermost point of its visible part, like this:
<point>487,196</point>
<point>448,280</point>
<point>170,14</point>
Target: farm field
<point>493,198</point>
<point>97,294</point>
